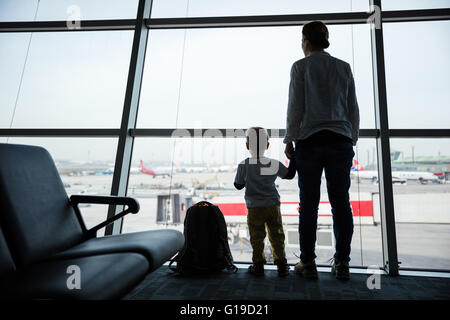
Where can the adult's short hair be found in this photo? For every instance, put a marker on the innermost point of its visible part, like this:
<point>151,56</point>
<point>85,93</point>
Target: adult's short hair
<point>316,32</point>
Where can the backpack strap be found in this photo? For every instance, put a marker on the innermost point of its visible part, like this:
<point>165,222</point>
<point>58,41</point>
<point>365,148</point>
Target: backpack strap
<point>177,259</point>
<point>230,266</point>
<point>174,259</point>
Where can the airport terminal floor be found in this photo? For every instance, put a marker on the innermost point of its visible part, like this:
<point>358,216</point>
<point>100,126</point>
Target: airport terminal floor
<point>163,284</point>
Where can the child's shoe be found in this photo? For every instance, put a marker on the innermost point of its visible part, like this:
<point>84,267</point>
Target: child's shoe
<point>257,269</point>
<point>282,267</point>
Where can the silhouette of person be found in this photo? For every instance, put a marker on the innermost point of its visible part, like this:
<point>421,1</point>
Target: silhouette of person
<point>321,129</point>
<point>258,174</point>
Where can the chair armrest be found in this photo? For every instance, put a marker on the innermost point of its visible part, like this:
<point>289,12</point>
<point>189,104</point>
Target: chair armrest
<point>131,203</point>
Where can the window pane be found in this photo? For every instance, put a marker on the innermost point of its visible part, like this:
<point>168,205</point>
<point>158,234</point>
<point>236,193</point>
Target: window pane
<point>364,197</point>
<point>13,50</point>
<point>417,74</point>
<point>414,4</point>
<point>204,8</point>
<point>25,10</point>
<point>69,79</point>
<point>236,77</point>
<point>85,165</point>
<point>422,202</point>
<point>204,168</point>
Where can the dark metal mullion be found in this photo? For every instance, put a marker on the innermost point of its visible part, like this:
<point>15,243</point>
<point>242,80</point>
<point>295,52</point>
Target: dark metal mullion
<point>298,19</point>
<point>232,21</point>
<point>419,133</point>
<point>257,21</point>
<point>168,132</point>
<point>390,258</point>
<point>129,116</point>
<point>85,25</point>
<point>57,132</point>
<point>416,15</point>
<point>218,133</point>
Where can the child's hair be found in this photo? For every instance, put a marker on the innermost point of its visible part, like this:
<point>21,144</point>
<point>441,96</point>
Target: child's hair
<point>257,139</point>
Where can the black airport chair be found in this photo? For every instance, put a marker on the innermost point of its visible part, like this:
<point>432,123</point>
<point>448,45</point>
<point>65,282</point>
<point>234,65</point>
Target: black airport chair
<point>42,236</point>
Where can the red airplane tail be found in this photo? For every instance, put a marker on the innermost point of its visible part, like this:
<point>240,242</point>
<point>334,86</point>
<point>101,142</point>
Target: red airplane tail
<point>145,170</point>
<point>357,166</point>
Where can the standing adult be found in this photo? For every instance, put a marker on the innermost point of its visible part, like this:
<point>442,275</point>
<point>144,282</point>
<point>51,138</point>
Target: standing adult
<point>323,123</point>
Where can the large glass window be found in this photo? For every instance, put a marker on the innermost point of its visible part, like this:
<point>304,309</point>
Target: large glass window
<point>63,79</point>
<point>238,77</point>
<point>422,201</point>
<point>417,74</point>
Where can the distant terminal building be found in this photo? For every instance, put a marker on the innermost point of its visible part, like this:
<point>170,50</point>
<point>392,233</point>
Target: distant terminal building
<point>434,164</point>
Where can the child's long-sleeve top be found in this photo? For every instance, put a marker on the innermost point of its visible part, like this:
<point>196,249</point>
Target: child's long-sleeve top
<point>258,177</point>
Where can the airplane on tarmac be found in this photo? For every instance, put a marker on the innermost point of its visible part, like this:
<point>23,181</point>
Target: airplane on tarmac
<point>358,171</point>
<point>144,170</point>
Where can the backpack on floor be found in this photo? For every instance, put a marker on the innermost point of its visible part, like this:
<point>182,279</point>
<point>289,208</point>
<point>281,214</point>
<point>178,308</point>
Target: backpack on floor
<point>206,246</point>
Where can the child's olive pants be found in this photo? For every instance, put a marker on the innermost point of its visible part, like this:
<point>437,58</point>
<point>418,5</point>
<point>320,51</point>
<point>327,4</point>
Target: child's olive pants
<point>260,218</point>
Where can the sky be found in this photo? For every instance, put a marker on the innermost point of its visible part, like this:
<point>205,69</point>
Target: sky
<point>209,78</point>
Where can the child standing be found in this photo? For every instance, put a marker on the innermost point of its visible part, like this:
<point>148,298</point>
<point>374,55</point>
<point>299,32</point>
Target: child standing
<point>257,174</point>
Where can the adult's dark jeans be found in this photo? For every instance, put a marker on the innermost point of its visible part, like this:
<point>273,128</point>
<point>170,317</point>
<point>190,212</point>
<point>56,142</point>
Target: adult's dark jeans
<point>336,160</point>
